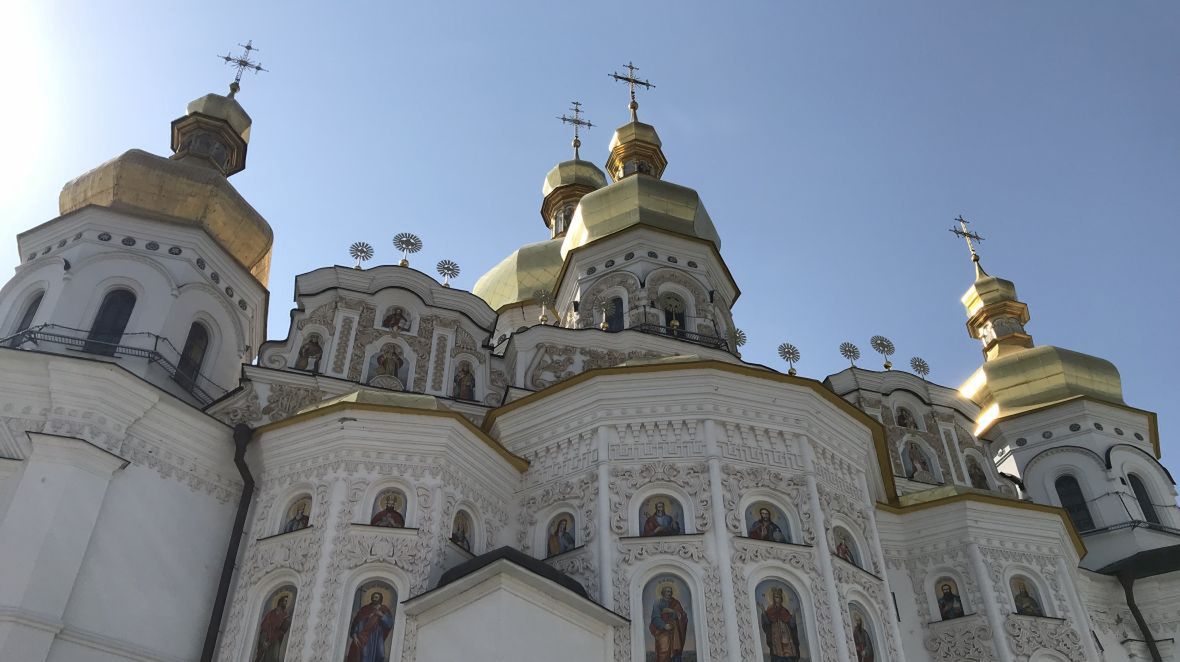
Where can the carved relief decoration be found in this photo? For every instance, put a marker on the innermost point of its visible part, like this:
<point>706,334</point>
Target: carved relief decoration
<point>632,552</point>
<point>242,407</point>
<point>736,482</point>
<point>966,639</point>
<point>853,511</point>
<point>283,400</point>
<point>1028,634</point>
<point>342,345</point>
<point>653,440</point>
<point>580,565</point>
<point>582,491</point>
<point>692,478</point>
<point>561,458</point>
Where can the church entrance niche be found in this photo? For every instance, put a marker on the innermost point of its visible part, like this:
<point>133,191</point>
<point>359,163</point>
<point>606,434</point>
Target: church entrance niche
<point>111,321</point>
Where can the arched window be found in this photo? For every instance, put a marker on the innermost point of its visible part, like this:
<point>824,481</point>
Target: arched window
<point>193,355</point>
<point>1074,502</point>
<point>615,314</point>
<point>1144,499</point>
<point>26,320</point>
<point>110,322</point>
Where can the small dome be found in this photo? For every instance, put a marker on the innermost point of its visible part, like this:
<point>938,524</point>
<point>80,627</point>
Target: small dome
<point>635,131</point>
<point>529,268</point>
<point>568,173</point>
<point>223,108</point>
<point>639,200</point>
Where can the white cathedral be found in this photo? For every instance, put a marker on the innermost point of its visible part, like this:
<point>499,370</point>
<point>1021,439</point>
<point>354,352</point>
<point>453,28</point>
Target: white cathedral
<point>570,462</point>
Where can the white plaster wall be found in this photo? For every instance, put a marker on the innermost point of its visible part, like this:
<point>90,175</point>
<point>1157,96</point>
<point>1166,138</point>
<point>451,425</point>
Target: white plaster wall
<point>505,627</point>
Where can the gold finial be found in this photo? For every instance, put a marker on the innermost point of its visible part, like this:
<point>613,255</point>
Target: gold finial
<point>578,122</point>
<point>631,82</point>
<point>241,63</point>
<point>963,232</point>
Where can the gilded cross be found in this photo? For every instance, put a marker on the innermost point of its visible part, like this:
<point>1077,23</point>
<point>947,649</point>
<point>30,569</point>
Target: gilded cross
<point>241,63</point>
<point>578,122</point>
<point>631,82</point>
<point>970,236</point>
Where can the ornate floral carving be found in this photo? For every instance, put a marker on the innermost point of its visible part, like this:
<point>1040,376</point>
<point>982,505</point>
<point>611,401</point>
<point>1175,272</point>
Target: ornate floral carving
<point>1028,634</point>
<point>324,315</point>
<point>738,481</point>
<point>285,399</point>
<point>440,363</point>
<point>580,565</point>
<point>693,478</point>
<point>243,407</point>
<point>342,345</point>
<point>967,639</point>
<point>582,491</point>
<point>552,365</point>
<point>853,511</point>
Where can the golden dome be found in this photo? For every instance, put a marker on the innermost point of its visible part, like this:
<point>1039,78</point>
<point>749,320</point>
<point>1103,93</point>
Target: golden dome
<point>144,184</point>
<point>639,200</point>
<point>517,277</point>
<point>635,148</point>
<point>223,108</point>
<point>570,173</point>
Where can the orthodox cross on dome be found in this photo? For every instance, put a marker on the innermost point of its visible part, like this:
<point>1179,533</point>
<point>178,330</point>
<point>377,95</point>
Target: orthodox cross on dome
<point>578,122</point>
<point>631,82</point>
<point>241,63</point>
<point>970,236</point>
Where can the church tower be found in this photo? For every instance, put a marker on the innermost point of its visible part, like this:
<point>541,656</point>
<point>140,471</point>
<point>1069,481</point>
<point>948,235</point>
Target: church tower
<point>1057,419</point>
<point>157,263</point>
<point>642,253</point>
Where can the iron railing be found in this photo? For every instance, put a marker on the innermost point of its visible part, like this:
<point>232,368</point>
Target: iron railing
<point>705,340</point>
<point>155,349</point>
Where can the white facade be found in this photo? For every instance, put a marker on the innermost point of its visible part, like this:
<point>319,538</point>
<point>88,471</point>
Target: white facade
<point>397,445</point>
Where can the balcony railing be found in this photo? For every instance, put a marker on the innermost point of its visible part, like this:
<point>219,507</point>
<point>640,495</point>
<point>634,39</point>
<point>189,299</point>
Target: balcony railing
<point>705,340</point>
<point>157,350</point>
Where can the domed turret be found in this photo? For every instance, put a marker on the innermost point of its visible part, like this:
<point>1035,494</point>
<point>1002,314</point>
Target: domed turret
<point>564,187</point>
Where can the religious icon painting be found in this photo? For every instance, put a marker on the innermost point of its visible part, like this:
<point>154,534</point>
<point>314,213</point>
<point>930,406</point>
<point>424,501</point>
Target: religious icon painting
<point>298,515</point>
<point>389,509</point>
<point>917,463</point>
<point>388,368</point>
<point>371,623</point>
<point>560,537</point>
<point>273,625</point>
<point>863,638</point>
<point>661,515</point>
<point>780,622</point>
<point>1026,597</point>
<point>461,530</point>
<point>396,318</point>
<point>950,603</point>
<point>310,353</point>
<point>765,521</point>
<point>463,385</point>
<point>845,546</point>
<point>670,634</point>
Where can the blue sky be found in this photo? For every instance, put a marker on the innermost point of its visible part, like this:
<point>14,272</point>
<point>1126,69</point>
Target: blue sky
<point>832,144</point>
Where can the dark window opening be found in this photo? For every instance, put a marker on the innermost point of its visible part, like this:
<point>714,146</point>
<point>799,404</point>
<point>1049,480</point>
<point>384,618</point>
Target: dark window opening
<point>1144,499</point>
<point>1074,503</point>
<point>26,320</point>
<point>193,355</point>
<point>615,315</point>
<point>111,321</point>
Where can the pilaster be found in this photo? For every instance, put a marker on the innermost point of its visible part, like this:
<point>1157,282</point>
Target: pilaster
<point>825,555</point>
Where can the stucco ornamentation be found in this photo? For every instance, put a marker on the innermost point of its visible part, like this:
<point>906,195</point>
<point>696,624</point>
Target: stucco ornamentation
<point>736,482</point>
<point>1028,634</point>
<point>966,639</point>
<point>283,400</point>
<point>692,478</point>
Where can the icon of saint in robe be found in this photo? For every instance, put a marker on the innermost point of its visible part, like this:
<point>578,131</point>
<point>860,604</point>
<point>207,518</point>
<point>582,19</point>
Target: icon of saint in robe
<point>463,387</point>
<point>272,630</point>
<point>298,518</point>
<point>949,604</point>
<point>765,528</point>
<point>863,641</point>
<point>668,624</point>
<point>369,630</point>
<point>1026,602</point>
<point>390,514</point>
<point>561,540</point>
<point>661,523</point>
<point>780,629</point>
<point>310,354</point>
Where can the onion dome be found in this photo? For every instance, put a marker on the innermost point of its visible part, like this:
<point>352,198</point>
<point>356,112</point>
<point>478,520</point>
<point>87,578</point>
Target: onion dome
<point>517,277</point>
<point>564,186</point>
<point>191,187</point>
<point>636,149</point>
<point>1017,377</point>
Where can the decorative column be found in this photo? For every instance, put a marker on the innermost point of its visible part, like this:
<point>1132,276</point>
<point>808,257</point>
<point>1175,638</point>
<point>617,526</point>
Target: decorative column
<point>875,543</point>
<point>1082,617</point>
<point>605,558</point>
<point>825,554</point>
<point>990,607</point>
<point>44,536</point>
<point>724,554</point>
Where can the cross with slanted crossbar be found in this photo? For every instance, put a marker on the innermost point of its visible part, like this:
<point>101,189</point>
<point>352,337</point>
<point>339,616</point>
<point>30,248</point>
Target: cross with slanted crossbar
<point>241,63</point>
<point>963,232</point>
<point>578,122</point>
<point>631,82</point>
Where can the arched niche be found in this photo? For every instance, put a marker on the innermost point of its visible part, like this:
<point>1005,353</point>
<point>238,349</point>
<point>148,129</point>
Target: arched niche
<point>765,516</point>
<point>389,363</point>
<point>1027,592</point>
<point>311,350</point>
<point>847,545</point>
<point>866,634</point>
<point>919,461</point>
<point>465,529</point>
<point>274,607</point>
<point>295,515</point>
<point>647,520</point>
<point>559,533</point>
<point>371,622</point>
<point>388,503</point>
<point>976,468</point>
<point>667,615</point>
<point>466,379</point>
<point>1073,495</point>
<point>947,595</point>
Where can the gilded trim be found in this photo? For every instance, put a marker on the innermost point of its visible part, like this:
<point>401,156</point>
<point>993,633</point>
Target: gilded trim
<point>519,463</point>
<point>1153,424</point>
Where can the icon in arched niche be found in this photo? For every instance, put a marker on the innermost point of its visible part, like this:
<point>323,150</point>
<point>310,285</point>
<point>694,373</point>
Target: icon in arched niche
<point>273,625</point>
<point>463,387</point>
<point>461,530</point>
<point>906,419</point>
<point>310,353</point>
<point>917,463</point>
<point>862,634</point>
<point>780,620</point>
<point>976,474</point>
<point>371,622</point>
<point>671,633</point>
<point>389,509</point>
<point>765,521</point>
<point>298,515</point>
<point>950,604</point>
<point>561,535</point>
<point>846,546</point>
<point>661,515</point>
<point>1025,597</point>
<point>396,318</point>
<point>388,368</point>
